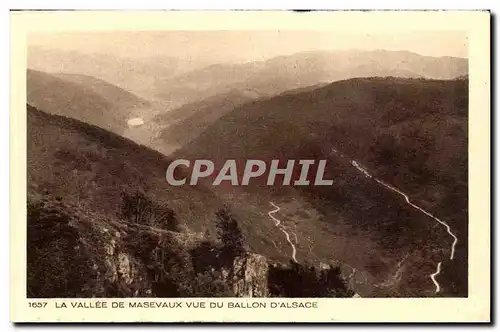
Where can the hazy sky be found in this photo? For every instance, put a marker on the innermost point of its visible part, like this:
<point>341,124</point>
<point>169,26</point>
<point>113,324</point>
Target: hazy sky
<point>219,46</point>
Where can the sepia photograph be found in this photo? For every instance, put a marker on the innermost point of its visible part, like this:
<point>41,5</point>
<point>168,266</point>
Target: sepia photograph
<point>247,163</point>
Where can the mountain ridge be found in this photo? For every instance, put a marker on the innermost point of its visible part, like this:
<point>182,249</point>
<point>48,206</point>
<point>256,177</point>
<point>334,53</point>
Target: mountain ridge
<point>404,140</point>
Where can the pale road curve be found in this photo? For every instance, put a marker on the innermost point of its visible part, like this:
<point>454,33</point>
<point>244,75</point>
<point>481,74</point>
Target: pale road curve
<point>294,250</point>
<point>278,224</point>
<point>448,228</point>
<point>433,277</point>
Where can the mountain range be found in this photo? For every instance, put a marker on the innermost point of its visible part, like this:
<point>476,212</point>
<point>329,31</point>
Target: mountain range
<point>399,116</point>
<point>410,133</point>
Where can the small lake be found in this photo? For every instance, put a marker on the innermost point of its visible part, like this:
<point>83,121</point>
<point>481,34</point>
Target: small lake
<point>134,122</point>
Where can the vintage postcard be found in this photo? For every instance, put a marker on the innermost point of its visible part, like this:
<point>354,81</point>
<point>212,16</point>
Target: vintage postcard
<point>250,166</point>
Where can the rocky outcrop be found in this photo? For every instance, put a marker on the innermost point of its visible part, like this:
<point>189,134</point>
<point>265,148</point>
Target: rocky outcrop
<point>74,253</point>
<point>248,276</point>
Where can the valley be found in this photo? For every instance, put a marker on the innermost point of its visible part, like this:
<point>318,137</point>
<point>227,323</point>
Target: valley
<point>386,131</point>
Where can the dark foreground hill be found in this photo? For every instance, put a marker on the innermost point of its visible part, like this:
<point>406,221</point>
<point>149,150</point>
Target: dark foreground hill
<point>91,166</point>
<point>410,133</point>
<point>103,222</point>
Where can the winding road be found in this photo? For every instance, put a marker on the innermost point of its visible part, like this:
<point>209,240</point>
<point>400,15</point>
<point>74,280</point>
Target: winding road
<point>365,172</point>
<point>281,228</point>
<point>433,277</point>
<point>294,249</point>
<point>448,228</point>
